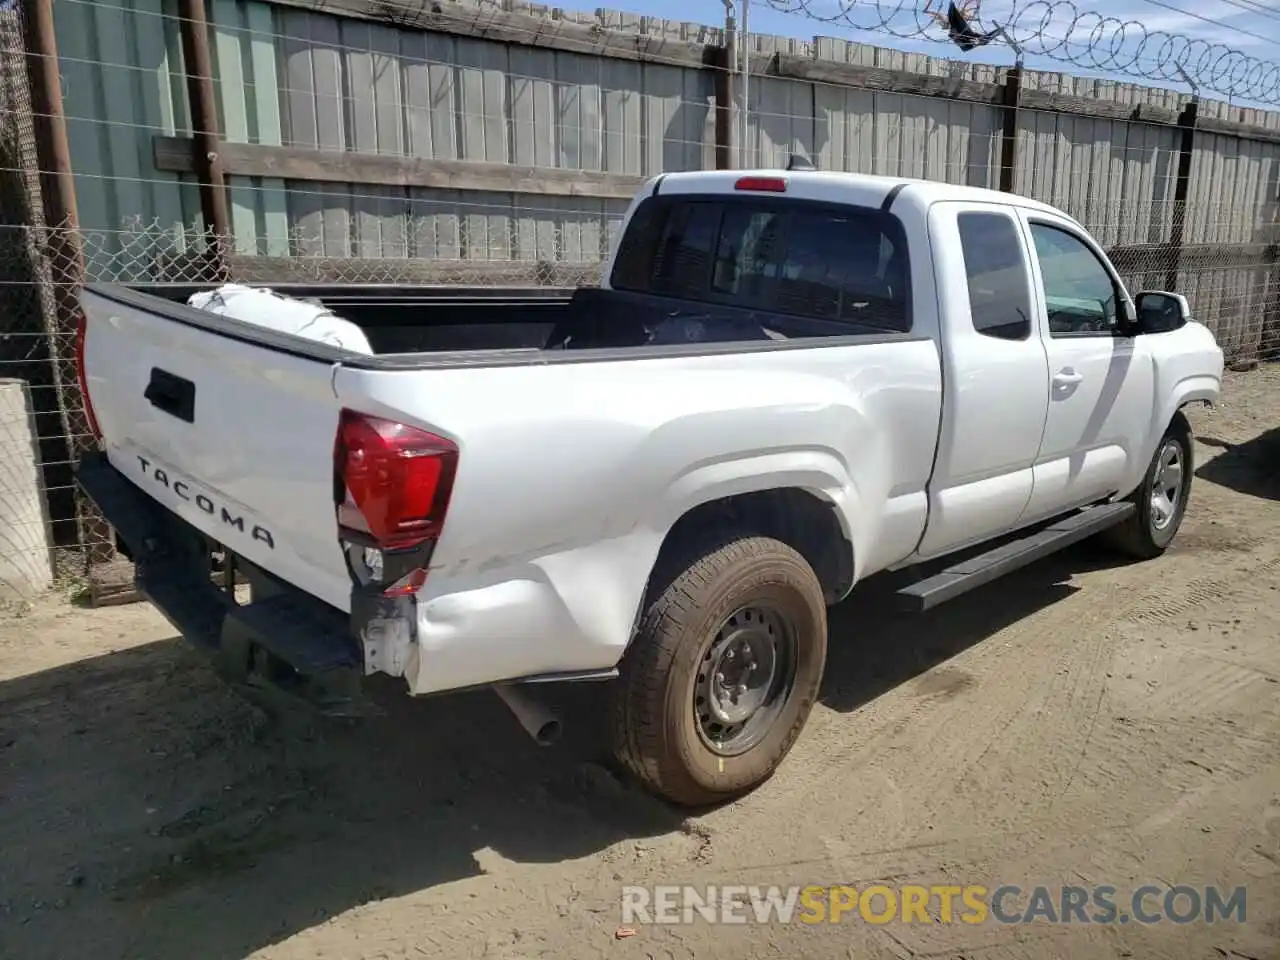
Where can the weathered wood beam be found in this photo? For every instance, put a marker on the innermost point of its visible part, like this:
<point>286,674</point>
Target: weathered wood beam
<point>519,28</point>
<point>176,155</point>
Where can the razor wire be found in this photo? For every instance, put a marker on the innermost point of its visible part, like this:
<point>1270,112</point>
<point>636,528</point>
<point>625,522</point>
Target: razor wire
<point>1063,31</point>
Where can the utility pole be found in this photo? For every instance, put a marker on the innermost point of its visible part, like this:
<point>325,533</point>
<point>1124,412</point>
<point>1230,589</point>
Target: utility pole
<point>744,44</point>
<point>726,122</point>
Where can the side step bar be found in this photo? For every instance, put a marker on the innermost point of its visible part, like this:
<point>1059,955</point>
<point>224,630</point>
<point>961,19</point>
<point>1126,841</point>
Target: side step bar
<point>993,564</point>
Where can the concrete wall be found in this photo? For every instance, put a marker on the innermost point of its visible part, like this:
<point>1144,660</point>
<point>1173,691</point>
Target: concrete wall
<point>26,566</point>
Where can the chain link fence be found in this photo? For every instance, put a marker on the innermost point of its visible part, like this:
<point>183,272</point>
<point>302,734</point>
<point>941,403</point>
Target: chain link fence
<point>524,159</point>
<point>40,424</point>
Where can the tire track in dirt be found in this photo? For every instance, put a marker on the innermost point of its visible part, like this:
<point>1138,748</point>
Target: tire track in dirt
<point>1173,601</point>
<point>829,752</point>
<point>1199,690</point>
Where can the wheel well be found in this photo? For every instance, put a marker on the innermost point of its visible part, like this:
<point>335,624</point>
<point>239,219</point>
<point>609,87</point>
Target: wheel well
<point>1180,423</point>
<point>795,517</point>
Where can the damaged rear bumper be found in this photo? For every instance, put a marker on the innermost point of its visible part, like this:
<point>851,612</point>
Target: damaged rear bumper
<point>284,644</point>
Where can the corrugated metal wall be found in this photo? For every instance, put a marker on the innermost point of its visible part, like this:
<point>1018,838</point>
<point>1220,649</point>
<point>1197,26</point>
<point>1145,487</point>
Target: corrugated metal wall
<point>122,84</point>
<point>865,131</point>
<point>291,77</point>
<point>288,77</point>
<point>244,54</point>
<point>1233,196</point>
<point>351,85</point>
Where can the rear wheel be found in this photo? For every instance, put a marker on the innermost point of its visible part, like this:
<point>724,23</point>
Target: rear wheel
<point>1162,497</point>
<point>723,673</point>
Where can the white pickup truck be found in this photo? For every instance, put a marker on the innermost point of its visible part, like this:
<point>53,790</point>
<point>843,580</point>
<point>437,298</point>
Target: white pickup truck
<point>787,382</point>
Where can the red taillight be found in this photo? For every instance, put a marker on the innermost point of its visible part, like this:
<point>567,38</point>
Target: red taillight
<point>762,184</point>
<point>395,480</point>
<point>84,382</point>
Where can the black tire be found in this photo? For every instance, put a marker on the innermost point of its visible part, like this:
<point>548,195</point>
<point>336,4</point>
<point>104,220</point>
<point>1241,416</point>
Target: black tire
<point>704,611</point>
<point>1147,534</point>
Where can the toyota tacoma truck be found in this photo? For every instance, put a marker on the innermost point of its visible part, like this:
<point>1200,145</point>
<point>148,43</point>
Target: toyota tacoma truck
<point>786,382</point>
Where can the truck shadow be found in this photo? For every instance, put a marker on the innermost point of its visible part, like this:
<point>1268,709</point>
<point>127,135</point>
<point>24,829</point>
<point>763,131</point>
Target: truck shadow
<point>151,812</point>
<point>1251,468</point>
<point>873,646</point>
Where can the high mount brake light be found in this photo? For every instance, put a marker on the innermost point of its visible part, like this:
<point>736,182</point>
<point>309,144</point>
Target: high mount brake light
<point>762,184</point>
<point>394,480</point>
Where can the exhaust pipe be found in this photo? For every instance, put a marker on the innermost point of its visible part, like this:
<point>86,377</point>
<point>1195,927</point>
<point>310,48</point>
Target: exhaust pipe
<point>538,721</point>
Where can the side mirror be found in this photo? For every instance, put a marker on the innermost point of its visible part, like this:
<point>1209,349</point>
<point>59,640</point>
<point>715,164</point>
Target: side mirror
<point>1160,311</point>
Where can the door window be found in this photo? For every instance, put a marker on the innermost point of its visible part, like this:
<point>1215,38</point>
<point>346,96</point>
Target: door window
<point>1079,294</point>
<point>996,270</point>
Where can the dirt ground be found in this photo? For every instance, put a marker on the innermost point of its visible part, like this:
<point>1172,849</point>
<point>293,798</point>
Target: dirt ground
<point>1083,722</point>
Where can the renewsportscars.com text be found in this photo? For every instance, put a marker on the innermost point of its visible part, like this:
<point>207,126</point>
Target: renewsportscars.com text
<point>971,904</point>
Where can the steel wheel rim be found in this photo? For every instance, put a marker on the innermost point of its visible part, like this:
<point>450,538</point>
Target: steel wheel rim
<point>745,677</point>
<point>1166,487</point>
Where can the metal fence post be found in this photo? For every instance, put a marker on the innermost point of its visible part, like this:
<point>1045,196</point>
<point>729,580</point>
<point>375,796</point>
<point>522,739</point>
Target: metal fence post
<point>1009,132</point>
<point>1181,187</point>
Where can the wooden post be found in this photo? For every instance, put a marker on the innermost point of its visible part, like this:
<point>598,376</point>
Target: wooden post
<point>1181,187</point>
<point>207,161</point>
<point>57,185</point>
<point>1009,133</point>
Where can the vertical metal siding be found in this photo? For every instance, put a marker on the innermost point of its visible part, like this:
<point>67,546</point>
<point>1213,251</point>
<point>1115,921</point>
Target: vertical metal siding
<point>244,46</point>
<point>291,77</point>
<point>356,86</point>
<point>1114,176</point>
<point>122,84</point>
<point>1234,189</point>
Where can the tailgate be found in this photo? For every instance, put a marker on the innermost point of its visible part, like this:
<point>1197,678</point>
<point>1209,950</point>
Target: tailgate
<point>231,429</point>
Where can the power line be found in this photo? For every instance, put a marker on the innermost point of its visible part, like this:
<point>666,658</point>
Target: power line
<point>1213,23</point>
<point>1253,6</point>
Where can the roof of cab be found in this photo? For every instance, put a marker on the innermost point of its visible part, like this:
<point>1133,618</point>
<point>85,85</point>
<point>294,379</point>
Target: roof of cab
<point>860,187</point>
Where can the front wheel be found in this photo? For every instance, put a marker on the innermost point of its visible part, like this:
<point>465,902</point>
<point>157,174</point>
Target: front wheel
<point>1162,497</point>
<point>723,673</point>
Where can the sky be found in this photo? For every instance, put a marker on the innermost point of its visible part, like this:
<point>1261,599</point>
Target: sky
<point>1200,29</point>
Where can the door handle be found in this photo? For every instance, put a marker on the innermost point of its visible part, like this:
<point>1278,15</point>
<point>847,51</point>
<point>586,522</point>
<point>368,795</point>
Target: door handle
<point>174,395</point>
<point>1067,378</point>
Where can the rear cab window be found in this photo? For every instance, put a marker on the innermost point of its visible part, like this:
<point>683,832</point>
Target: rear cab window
<point>843,265</point>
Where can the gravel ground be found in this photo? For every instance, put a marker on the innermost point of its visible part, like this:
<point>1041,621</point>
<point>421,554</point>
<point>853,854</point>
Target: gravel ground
<point>1083,722</point>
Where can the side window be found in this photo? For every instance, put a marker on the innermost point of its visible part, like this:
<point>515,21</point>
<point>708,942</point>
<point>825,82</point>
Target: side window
<point>1078,291</point>
<point>994,264</point>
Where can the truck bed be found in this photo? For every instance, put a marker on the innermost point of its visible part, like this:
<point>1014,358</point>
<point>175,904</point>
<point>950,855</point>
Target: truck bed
<point>400,319</point>
<point>416,320</point>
